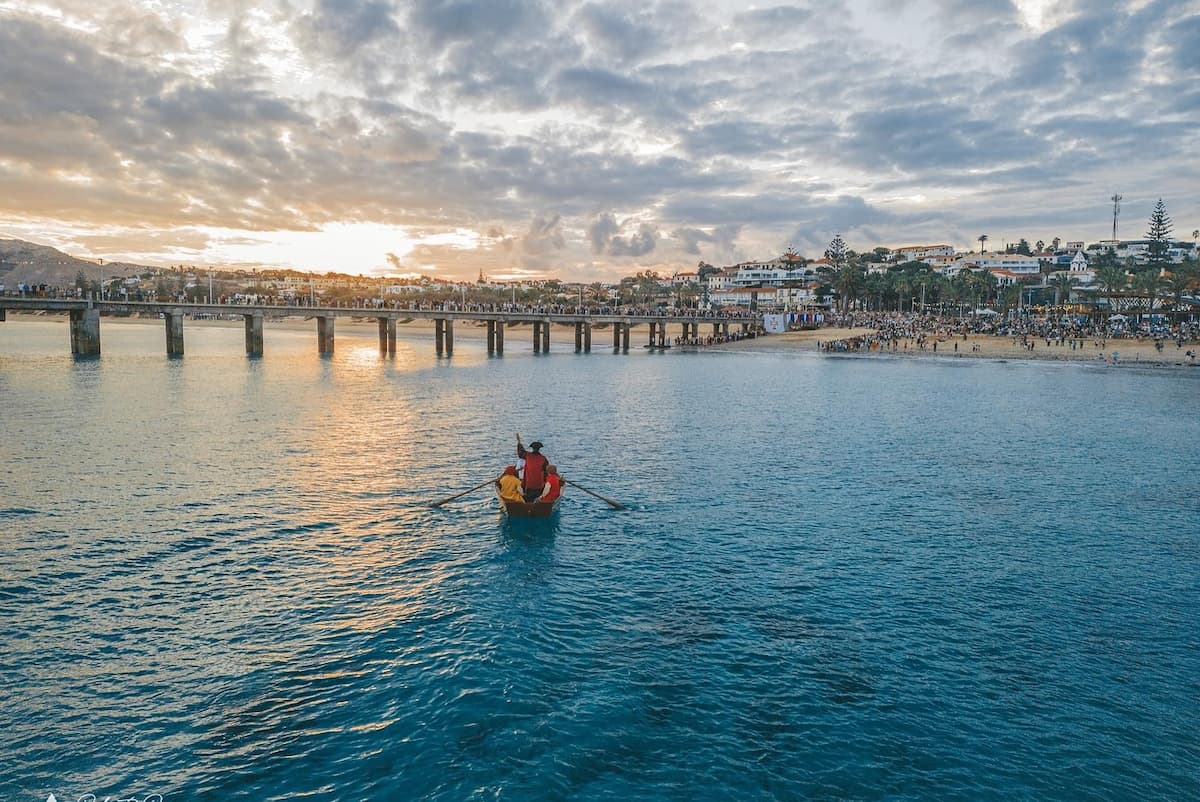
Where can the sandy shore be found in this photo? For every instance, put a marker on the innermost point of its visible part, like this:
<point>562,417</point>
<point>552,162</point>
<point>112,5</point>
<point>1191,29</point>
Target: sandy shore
<point>981,347</point>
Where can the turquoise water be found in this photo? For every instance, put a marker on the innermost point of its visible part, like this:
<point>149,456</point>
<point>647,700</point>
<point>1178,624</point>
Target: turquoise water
<point>838,578</point>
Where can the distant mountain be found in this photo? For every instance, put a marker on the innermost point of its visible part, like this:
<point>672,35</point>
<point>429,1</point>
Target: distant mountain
<point>27,263</point>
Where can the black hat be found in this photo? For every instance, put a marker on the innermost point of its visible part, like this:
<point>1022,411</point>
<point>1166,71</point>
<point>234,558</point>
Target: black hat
<point>535,445</point>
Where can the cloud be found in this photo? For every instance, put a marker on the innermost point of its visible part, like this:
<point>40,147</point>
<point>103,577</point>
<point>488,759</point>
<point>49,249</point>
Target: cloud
<point>723,237</point>
<point>342,27</point>
<point>605,237</point>
<point>734,129</point>
<point>544,236</point>
<point>601,231</point>
<point>774,21</point>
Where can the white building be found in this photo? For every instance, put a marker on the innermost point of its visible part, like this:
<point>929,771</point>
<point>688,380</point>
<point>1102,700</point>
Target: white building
<point>919,253</point>
<point>1015,262</point>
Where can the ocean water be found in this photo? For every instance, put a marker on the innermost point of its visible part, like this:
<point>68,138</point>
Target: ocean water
<point>838,578</point>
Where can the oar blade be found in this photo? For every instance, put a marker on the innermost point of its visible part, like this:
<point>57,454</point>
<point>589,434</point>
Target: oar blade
<point>460,495</point>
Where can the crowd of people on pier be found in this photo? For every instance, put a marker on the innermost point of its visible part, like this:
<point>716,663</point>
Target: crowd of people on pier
<point>718,339</point>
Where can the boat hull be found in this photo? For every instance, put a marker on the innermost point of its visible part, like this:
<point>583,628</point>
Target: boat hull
<point>522,509</point>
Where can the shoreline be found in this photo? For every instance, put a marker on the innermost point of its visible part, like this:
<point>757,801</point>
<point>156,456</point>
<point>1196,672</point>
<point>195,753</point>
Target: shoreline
<point>1130,352</point>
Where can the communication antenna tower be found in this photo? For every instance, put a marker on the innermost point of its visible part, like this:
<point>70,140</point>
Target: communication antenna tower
<point>1116,199</point>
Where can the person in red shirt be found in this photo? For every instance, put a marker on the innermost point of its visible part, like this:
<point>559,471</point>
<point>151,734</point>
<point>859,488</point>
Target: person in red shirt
<point>553,487</point>
<point>534,479</point>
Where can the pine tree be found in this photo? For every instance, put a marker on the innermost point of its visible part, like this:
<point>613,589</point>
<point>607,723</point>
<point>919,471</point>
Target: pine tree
<point>837,252</point>
<point>1159,233</point>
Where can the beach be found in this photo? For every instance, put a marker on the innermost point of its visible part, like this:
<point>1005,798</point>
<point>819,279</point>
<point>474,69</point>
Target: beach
<point>980,346</point>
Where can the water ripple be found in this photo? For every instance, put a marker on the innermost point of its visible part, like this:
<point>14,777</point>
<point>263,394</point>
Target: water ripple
<point>936,591</point>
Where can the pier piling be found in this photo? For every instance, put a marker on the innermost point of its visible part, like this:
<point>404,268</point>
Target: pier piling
<point>174,321</point>
<point>254,334</point>
<point>387,335</point>
<point>85,332</point>
<point>325,334</point>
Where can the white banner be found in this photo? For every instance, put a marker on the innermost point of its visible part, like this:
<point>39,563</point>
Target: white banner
<point>775,324</point>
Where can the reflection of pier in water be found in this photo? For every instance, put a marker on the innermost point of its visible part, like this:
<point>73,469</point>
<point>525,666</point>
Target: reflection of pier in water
<point>85,323</point>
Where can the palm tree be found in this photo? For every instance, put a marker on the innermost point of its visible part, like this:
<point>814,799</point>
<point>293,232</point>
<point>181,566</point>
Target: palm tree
<point>875,286</point>
<point>848,282</point>
<point>1112,279</point>
<point>988,285</point>
<point>1150,284</point>
<point>1063,283</point>
<point>958,287</point>
<point>902,286</point>
<point>1010,296</point>
<point>1178,283</point>
<point>982,239</point>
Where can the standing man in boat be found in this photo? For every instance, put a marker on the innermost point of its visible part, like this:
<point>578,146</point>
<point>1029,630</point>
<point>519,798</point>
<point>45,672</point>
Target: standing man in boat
<point>534,480</point>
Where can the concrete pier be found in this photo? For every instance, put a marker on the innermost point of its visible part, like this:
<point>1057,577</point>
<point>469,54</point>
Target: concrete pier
<point>254,334</point>
<point>325,334</point>
<point>85,326</point>
<point>85,332</point>
<point>387,335</point>
<point>174,321</point>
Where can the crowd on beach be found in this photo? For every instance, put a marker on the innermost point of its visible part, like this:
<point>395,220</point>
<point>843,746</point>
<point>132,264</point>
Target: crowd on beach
<point>899,332</point>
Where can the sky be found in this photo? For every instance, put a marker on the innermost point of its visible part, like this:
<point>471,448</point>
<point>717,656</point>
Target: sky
<point>587,140</point>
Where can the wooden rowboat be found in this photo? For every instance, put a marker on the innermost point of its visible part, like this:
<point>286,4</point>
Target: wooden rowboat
<point>523,509</point>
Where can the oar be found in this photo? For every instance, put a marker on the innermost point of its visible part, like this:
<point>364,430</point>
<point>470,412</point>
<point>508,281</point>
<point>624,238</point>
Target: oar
<point>614,504</point>
<point>460,495</point>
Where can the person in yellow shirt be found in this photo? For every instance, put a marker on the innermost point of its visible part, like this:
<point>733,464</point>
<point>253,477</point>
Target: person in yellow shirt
<point>510,485</point>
